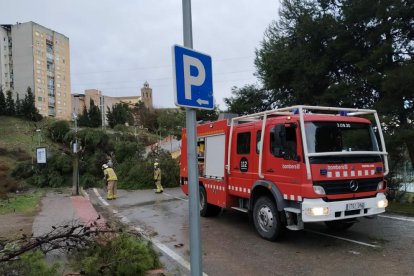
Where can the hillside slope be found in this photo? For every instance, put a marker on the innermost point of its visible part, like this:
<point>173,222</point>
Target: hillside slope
<point>18,142</point>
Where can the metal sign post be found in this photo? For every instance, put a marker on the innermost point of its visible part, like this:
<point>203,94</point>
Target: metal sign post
<point>192,70</point>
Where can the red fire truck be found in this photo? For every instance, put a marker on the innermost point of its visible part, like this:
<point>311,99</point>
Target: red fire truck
<point>290,166</point>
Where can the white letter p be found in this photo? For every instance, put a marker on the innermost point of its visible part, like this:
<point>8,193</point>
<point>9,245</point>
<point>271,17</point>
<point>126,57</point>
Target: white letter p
<point>192,80</point>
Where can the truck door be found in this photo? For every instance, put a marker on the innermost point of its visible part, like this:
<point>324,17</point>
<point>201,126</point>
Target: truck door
<point>241,164</point>
<point>282,161</point>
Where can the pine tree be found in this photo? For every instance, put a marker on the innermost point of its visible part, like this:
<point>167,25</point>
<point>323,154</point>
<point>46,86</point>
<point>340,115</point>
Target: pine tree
<point>2,103</point>
<point>83,119</point>
<point>18,105</point>
<point>94,115</point>
<point>28,108</point>
<point>10,108</point>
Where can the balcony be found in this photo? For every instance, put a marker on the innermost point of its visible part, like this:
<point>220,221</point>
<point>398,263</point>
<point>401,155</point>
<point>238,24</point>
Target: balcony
<point>51,112</point>
<point>51,102</point>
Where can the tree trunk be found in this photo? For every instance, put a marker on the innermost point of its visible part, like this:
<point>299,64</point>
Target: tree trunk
<point>410,148</point>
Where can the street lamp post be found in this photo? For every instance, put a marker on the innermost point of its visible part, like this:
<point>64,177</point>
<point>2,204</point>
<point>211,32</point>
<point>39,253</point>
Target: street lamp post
<point>75,176</point>
<point>38,136</point>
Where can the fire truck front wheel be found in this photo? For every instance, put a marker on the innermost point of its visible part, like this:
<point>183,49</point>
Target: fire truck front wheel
<point>267,219</point>
<point>206,209</point>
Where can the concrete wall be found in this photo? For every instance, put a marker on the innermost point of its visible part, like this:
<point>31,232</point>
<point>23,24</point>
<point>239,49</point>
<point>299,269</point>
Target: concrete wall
<point>4,60</point>
<point>22,53</point>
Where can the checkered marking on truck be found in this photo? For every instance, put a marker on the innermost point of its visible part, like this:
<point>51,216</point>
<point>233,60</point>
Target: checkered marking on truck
<point>337,174</point>
<point>292,197</point>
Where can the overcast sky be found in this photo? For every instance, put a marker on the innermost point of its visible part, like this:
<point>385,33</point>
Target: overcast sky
<point>117,45</point>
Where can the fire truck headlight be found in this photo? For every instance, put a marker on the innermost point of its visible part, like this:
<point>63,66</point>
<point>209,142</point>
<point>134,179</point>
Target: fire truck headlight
<point>318,190</point>
<point>318,211</point>
<point>383,203</point>
<point>381,185</point>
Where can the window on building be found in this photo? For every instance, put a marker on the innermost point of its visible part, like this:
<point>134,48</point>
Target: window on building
<point>39,99</point>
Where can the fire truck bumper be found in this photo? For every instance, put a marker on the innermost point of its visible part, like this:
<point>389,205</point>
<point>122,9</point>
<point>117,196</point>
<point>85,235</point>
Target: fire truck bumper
<point>319,210</point>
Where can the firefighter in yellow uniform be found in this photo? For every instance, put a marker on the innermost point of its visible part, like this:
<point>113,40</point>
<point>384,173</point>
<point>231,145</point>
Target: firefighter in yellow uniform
<point>157,178</point>
<point>110,176</point>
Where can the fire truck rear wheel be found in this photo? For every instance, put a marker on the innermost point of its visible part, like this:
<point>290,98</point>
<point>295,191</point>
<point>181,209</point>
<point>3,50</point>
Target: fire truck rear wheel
<point>206,209</point>
<point>340,225</point>
<point>267,219</point>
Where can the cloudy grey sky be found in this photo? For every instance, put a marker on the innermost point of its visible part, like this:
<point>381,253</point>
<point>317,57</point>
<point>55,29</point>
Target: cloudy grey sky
<point>117,45</point>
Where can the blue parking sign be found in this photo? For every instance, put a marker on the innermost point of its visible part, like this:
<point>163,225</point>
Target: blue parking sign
<point>193,78</point>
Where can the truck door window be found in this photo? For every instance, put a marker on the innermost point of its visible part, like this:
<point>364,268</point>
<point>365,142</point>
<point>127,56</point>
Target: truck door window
<point>291,144</point>
<point>283,141</point>
<point>243,143</point>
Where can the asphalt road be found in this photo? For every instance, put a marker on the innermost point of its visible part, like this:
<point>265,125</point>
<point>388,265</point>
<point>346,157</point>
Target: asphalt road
<point>380,246</point>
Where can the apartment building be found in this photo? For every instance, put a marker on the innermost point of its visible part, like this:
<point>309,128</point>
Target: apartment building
<point>80,101</point>
<point>37,57</point>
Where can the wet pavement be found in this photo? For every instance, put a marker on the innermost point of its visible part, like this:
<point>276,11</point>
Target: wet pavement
<point>380,246</point>
<point>60,208</point>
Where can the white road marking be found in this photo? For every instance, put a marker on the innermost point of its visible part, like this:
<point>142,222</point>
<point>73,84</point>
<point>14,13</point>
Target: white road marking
<point>397,218</point>
<point>104,202</point>
<point>85,194</point>
<point>180,198</point>
<point>344,239</point>
<point>160,246</point>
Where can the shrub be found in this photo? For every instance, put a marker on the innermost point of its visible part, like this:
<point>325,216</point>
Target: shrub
<point>88,180</point>
<point>170,169</point>
<point>58,130</point>
<point>30,263</point>
<point>124,255</point>
<point>22,170</point>
<point>135,175</point>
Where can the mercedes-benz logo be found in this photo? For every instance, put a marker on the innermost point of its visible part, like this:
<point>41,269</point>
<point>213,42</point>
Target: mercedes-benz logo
<point>353,185</point>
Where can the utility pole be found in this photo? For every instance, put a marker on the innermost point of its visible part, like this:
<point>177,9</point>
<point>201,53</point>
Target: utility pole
<point>75,175</point>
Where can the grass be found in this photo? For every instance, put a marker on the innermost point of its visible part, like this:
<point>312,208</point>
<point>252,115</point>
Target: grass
<point>21,203</point>
<point>403,208</point>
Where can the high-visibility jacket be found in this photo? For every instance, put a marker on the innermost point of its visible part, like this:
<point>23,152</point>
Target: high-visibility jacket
<point>110,174</point>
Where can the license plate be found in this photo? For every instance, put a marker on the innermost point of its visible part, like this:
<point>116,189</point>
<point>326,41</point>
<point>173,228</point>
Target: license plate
<point>355,206</point>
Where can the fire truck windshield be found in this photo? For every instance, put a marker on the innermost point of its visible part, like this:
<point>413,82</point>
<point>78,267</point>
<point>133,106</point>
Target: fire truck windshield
<point>339,136</point>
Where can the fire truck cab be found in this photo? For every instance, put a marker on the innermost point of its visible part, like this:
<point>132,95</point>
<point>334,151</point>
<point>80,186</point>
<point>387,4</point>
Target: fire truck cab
<point>290,166</point>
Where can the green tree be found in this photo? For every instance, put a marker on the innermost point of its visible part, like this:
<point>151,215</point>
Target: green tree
<point>58,130</point>
<point>170,121</point>
<point>83,119</point>
<point>248,99</point>
<point>145,117</point>
<point>118,115</point>
<point>343,53</point>
<point>2,103</point>
<point>10,107</point>
<point>94,114</point>
<point>18,105</point>
<point>28,108</point>
<point>208,115</point>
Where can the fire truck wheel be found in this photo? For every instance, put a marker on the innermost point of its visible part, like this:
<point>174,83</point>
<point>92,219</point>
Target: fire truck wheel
<point>206,209</point>
<point>340,225</point>
<point>266,219</point>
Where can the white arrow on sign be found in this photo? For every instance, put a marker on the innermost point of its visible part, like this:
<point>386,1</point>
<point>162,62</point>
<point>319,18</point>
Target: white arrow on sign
<point>201,102</point>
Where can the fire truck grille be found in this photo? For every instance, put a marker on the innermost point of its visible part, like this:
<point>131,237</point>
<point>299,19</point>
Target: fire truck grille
<point>345,186</point>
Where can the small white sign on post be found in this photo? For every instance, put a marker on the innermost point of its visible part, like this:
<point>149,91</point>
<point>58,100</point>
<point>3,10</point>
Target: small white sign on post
<point>41,155</point>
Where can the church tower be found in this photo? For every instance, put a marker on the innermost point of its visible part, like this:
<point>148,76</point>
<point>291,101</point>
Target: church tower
<point>146,96</point>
